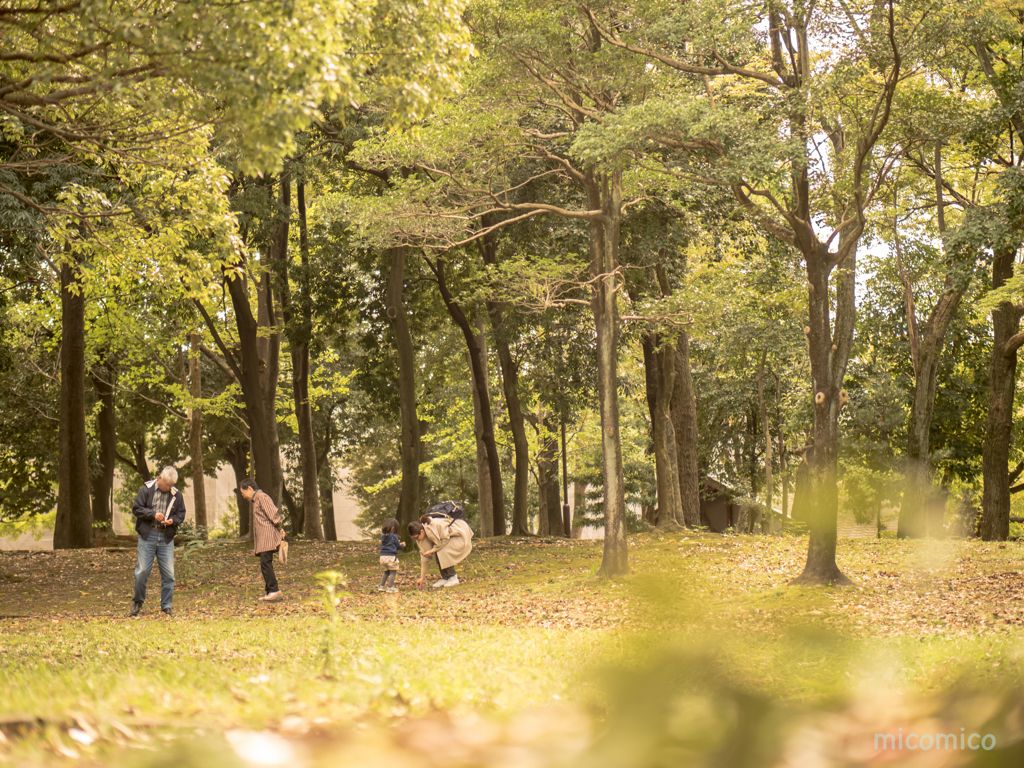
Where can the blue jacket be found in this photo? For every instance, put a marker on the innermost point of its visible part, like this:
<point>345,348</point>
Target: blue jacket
<point>390,544</point>
<point>145,515</point>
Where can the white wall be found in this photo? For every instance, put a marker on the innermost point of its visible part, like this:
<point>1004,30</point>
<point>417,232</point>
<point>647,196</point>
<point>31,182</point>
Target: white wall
<point>219,490</point>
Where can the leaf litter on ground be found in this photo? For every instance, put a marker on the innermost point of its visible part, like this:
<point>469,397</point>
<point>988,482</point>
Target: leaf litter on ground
<point>959,601</point>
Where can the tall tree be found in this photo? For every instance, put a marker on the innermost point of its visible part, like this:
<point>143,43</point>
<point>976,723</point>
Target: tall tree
<point>817,207</point>
<point>996,46</point>
<point>409,502</point>
<point>73,528</point>
<point>300,331</point>
<point>482,466</point>
<point>926,343</point>
<point>195,434</point>
<point>479,378</point>
<point>497,313</point>
<point>103,376</point>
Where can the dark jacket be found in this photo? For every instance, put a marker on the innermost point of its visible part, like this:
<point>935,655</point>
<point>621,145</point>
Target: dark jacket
<point>145,515</point>
<point>390,544</point>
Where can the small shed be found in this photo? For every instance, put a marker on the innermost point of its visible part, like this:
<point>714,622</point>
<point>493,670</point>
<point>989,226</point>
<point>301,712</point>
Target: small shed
<point>718,511</point>
<point>723,507</point>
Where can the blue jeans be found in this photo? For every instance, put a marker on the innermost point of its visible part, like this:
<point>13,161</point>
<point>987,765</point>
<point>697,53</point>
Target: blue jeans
<point>156,546</point>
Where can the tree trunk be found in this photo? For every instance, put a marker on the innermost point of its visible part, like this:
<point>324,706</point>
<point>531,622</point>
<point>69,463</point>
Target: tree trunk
<point>783,456</point>
<point>549,504</point>
<point>769,489</point>
<point>925,353</point>
<point>742,520</point>
<point>238,456</point>
<point>604,193</point>
<point>483,472</point>
<point>513,405</point>
<point>138,461</point>
<point>751,436</point>
<point>579,504</point>
<point>651,513</point>
<point>543,521</point>
<point>913,521</point>
<point>326,479</point>
<point>684,421</point>
<point>274,282</point>
<point>326,486</point>
<point>409,500</point>
<point>295,511</point>
<point>828,366</point>
<point>801,512</point>
<point>995,462</point>
<point>106,431</point>
<point>552,485</point>
<point>73,526</point>
<point>251,384</point>
<point>670,507</point>
<point>299,342</point>
<point>479,378</point>
<point>566,511</point>
<point>520,443</point>
<point>195,436</point>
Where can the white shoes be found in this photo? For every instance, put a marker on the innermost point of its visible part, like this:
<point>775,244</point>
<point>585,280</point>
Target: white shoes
<point>446,582</point>
<point>273,597</point>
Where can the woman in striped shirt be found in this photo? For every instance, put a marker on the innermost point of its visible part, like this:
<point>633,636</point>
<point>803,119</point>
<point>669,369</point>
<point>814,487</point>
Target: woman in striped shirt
<point>267,536</point>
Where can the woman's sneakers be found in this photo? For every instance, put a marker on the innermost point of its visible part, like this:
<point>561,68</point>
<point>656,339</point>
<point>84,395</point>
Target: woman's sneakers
<point>446,582</point>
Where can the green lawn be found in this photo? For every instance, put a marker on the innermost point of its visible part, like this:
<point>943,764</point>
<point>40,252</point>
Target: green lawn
<point>702,653</point>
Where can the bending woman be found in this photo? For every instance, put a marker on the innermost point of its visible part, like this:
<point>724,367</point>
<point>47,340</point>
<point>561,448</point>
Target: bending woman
<point>448,541</point>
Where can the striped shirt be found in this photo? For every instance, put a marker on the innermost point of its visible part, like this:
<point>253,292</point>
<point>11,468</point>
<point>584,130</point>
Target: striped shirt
<point>266,524</point>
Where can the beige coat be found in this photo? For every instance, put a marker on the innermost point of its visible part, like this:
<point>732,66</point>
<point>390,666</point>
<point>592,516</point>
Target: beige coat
<point>453,542</point>
<point>266,524</point>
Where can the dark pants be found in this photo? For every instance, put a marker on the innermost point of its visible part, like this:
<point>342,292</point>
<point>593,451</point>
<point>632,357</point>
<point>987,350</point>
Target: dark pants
<point>267,568</point>
<point>388,578</point>
<point>446,573</point>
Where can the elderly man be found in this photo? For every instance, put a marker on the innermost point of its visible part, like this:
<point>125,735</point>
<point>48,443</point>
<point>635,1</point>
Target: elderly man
<point>159,509</point>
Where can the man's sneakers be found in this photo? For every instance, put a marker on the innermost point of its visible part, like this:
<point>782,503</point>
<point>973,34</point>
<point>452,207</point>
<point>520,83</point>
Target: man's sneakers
<point>136,607</point>
<point>168,611</point>
<point>283,552</point>
<point>273,597</point>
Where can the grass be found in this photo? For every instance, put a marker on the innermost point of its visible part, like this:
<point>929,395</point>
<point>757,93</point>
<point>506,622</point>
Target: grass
<point>703,625</point>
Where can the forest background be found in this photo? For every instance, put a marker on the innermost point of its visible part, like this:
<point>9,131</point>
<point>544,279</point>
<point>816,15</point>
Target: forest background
<point>773,245</point>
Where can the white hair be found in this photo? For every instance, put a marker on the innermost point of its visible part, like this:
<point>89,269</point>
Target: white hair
<point>170,474</point>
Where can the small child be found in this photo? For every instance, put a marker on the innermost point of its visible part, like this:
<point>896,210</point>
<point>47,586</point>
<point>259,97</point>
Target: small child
<point>389,546</point>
